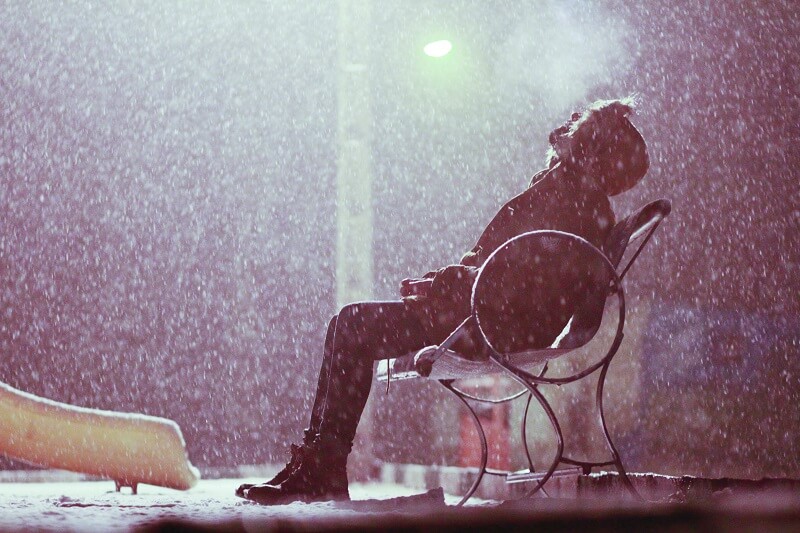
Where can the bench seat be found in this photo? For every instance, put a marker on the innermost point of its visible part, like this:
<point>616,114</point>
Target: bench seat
<point>427,363</point>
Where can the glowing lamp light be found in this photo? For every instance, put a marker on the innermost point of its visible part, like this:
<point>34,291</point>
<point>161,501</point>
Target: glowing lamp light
<point>438,48</point>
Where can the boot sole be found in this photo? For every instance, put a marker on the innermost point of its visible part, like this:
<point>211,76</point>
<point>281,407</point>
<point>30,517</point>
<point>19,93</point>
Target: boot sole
<point>285,499</point>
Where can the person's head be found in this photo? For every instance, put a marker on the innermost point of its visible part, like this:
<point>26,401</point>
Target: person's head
<point>603,143</point>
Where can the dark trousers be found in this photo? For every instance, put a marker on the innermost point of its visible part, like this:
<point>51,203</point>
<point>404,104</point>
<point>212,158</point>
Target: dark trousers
<point>359,335</point>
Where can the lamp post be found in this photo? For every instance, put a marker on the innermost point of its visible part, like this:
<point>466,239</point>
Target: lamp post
<point>354,157</point>
<point>354,186</point>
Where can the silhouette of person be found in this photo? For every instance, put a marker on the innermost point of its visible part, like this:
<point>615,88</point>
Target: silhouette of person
<point>596,154</point>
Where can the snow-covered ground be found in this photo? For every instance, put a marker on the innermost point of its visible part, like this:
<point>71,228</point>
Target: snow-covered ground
<point>67,506</point>
<point>96,506</point>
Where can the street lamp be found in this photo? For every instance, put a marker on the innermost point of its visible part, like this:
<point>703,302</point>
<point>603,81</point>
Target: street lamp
<point>438,48</point>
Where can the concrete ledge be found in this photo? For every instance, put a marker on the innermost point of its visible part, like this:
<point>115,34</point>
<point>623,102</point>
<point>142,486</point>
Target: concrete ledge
<point>595,486</point>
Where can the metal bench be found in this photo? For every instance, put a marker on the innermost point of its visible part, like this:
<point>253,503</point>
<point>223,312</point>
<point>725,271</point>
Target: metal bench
<point>496,312</point>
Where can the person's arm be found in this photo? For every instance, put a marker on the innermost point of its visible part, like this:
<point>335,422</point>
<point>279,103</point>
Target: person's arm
<point>503,226</point>
<point>500,229</point>
<point>486,243</point>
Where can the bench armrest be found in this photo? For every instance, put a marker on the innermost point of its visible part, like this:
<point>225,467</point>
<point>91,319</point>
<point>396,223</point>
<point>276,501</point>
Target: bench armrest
<point>529,288</point>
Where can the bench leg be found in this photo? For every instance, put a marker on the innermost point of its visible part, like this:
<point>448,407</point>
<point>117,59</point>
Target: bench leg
<point>614,453</point>
<point>519,376</point>
<point>586,467</point>
<point>559,436</point>
<point>448,384</point>
<point>524,433</point>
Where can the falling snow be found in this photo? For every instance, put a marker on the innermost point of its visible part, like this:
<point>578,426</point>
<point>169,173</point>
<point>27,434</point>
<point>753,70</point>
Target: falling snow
<point>167,190</point>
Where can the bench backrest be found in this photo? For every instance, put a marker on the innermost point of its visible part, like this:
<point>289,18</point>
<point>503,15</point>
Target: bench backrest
<point>639,225</point>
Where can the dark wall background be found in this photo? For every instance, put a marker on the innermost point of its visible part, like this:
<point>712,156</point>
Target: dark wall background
<point>167,175</point>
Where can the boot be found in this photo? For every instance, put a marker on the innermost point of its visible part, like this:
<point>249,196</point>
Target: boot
<point>321,476</point>
<point>309,435</point>
<point>295,461</point>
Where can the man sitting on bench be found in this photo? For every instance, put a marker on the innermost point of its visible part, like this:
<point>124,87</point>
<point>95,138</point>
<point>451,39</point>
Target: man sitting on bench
<point>596,154</point>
